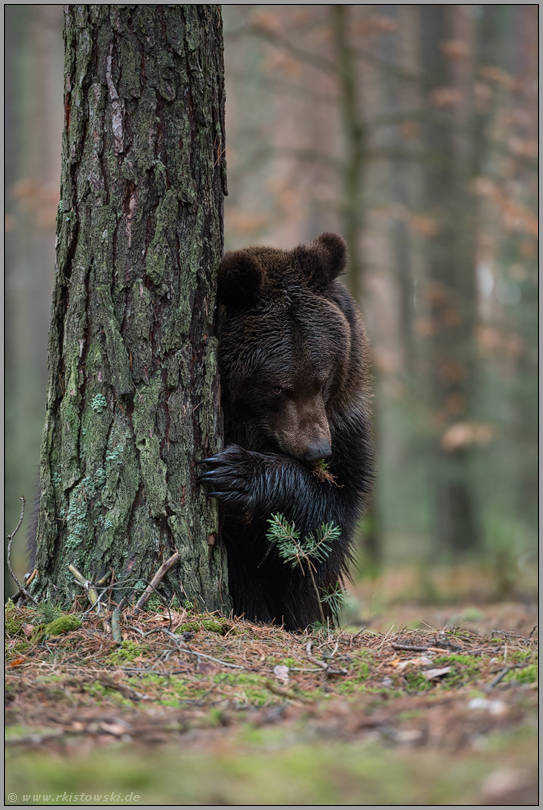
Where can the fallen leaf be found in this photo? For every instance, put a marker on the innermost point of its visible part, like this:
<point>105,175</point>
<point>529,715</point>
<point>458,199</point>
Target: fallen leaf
<point>114,728</point>
<point>281,673</point>
<point>423,661</point>
<point>432,674</point>
<point>206,667</point>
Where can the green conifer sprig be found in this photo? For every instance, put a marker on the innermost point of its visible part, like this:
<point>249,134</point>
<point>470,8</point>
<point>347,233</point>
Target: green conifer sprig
<point>286,538</point>
<point>334,598</point>
<point>315,548</point>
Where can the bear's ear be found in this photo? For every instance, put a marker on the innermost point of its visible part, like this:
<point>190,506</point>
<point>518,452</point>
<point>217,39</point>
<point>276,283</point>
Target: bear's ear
<point>331,248</point>
<point>240,280</point>
<point>324,260</point>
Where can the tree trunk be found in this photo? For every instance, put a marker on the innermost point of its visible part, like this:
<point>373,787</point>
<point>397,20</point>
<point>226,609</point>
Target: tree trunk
<point>352,216</point>
<point>33,104</point>
<point>132,400</point>
<point>354,134</point>
<point>455,154</point>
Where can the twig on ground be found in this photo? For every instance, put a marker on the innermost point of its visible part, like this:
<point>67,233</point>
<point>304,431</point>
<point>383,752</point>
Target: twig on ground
<point>8,553</point>
<point>155,581</point>
<point>163,630</point>
<point>360,632</point>
<point>415,648</point>
<point>116,625</point>
<point>190,651</point>
<point>385,637</point>
<point>304,669</point>
<point>409,647</point>
<point>500,677</point>
<point>504,633</point>
<point>210,658</point>
<point>105,578</point>
<point>286,693</point>
<point>326,667</point>
<point>91,592</point>
<point>26,583</point>
<point>209,691</point>
<point>334,651</point>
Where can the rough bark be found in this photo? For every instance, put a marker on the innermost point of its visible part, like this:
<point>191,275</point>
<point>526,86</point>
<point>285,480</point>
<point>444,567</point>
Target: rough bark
<point>132,400</point>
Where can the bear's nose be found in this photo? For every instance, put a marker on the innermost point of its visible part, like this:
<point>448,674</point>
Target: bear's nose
<point>317,451</point>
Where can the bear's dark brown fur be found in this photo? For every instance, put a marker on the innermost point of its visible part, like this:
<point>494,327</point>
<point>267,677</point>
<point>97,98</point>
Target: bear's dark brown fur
<point>293,360</point>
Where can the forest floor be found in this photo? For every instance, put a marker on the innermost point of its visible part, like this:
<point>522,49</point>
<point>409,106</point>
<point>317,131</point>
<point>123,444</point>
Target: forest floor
<point>420,705</point>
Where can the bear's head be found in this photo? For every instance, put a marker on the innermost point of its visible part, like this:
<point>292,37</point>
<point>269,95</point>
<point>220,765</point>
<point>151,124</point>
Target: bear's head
<point>285,348</point>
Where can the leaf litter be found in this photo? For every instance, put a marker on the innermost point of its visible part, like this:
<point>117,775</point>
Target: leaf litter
<point>200,680</point>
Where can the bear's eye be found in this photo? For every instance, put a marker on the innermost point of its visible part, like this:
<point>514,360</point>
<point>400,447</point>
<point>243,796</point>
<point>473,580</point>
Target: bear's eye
<point>277,390</point>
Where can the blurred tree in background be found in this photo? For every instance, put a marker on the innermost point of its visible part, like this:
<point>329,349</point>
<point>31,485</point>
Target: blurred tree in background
<point>411,130</point>
<point>33,130</point>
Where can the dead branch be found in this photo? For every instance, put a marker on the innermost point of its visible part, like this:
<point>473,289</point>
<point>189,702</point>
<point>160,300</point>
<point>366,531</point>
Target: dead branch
<point>409,647</point>
<point>415,648</point>
<point>8,553</point>
<point>105,578</point>
<point>385,637</point>
<point>155,581</point>
<point>26,583</point>
<point>326,667</point>
<point>33,576</point>
<point>116,625</point>
<point>190,651</point>
<point>91,592</point>
<point>508,635</point>
<point>500,677</point>
<point>286,693</point>
<point>210,658</point>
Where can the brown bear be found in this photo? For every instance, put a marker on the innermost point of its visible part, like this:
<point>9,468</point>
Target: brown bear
<point>293,362</point>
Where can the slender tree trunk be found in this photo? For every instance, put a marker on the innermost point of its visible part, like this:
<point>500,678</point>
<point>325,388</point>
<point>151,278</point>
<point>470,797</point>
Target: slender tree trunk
<point>352,211</point>
<point>352,214</point>
<point>451,289</point>
<point>132,400</point>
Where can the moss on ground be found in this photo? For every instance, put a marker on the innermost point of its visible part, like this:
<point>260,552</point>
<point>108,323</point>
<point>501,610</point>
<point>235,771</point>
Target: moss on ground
<point>64,624</point>
<point>527,674</point>
<point>126,652</point>
<point>211,625</point>
<point>13,621</point>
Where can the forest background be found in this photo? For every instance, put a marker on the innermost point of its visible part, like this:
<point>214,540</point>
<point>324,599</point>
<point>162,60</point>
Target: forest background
<point>411,130</point>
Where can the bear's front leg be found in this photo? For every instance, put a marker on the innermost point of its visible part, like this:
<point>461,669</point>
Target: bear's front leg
<point>235,478</point>
<point>256,485</point>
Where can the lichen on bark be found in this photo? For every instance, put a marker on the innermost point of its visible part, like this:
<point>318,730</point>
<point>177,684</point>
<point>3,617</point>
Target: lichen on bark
<point>132,401</point>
